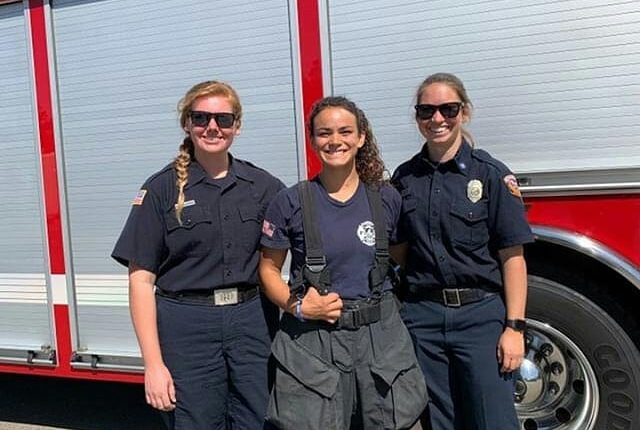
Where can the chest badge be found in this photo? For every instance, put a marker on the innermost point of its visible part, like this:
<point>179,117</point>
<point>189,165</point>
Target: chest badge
<point>474,190</point>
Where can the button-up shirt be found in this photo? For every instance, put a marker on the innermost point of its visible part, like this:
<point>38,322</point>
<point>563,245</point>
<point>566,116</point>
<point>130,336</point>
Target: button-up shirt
<point>217,243</point>
<point>455,216</point>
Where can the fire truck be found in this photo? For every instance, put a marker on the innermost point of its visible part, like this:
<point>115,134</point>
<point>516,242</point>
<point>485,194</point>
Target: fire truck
<point>89,91</point>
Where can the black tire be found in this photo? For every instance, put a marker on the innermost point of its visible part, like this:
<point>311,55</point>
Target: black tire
<point>609,352</point>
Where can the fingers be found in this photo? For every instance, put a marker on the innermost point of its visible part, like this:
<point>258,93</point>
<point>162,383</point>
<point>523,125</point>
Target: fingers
<point>161,401</point>
<point>159,388</point>
<point>511,362</point>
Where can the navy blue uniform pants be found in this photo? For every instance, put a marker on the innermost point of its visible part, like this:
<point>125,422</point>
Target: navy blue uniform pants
<point>217,356</point>
<point>456,349</point>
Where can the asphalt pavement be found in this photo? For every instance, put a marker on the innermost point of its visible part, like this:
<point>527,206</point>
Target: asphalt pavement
<point>42,403</point>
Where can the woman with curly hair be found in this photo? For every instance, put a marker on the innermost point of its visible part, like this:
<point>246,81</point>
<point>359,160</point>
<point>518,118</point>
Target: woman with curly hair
<point>344,357</point>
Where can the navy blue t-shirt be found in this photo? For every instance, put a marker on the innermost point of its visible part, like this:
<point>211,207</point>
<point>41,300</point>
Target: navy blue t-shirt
<point>346,230</point>
<point>217,244</point>
<point>455,216</point>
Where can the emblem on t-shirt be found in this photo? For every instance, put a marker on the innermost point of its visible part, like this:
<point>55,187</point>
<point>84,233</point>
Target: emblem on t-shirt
<point>367,233</point>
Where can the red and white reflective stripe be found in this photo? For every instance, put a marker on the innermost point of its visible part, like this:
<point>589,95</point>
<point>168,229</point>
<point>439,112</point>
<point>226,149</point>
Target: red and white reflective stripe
<point>59,290</point>
<point>37,23</point>
<point>311,69</point>
<point>46,135</point>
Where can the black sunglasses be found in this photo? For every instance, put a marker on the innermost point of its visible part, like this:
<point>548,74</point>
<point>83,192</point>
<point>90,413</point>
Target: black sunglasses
<point>448,110</point>
<point>201,118</point>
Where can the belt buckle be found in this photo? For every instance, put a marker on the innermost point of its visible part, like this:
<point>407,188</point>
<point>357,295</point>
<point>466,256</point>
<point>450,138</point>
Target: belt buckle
<point>225,296</point>
<point>451,293</point>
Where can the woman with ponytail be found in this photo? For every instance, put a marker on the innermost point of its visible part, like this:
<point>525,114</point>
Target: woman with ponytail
<point>191,246</point>
<point>463,226</point>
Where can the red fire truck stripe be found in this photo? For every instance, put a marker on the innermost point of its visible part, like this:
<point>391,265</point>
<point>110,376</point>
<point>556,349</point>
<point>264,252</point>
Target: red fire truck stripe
<point>52,209</point>
<point>47,141</point>
<point>311,69</point>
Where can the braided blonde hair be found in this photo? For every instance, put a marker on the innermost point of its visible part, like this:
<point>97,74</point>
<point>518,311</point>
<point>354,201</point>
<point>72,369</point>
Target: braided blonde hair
<point>186,152</point>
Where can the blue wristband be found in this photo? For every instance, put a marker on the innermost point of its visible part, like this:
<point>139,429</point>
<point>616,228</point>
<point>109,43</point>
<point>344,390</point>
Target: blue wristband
<point>299,310</point>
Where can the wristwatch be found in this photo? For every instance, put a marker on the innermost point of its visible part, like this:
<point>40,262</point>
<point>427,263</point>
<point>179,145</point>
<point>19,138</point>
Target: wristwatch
<point>517,325</point>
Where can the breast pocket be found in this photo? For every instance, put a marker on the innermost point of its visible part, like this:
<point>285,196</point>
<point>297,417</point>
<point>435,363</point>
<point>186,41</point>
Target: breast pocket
<point>468,223</point>
<point>409,206</point>
<point>250,226</point>
<point>191,237</point>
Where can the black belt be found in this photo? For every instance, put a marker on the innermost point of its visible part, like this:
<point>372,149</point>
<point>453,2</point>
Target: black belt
<point>214,297</point>
<point>359,313</point>
<point>451,297</point>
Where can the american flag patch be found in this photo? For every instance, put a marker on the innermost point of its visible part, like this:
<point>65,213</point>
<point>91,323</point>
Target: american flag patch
<point>137,201</point>
<point>268,228</point>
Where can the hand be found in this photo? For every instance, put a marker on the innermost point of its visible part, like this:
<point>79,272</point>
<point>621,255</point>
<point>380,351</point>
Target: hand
<point>510,350</point>
<point>317,307</point>
<point>158,387</point>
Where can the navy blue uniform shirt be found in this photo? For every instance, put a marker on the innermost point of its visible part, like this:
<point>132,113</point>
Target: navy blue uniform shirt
<point>217,244</point>
<point>346,230</point>
<point>455,216</point>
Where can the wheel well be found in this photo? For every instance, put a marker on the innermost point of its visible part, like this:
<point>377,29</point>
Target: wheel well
<point>590,277</point>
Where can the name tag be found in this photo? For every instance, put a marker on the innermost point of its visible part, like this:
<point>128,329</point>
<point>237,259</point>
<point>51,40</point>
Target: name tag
<point>225,296</point>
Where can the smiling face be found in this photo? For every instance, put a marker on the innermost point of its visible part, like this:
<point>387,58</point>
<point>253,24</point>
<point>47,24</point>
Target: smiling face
<point>438,130</point>
<point>336,138</point>
<point>211,139</point>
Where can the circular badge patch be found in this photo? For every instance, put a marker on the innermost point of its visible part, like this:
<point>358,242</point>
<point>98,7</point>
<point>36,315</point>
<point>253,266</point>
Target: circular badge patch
<point>367,233</point>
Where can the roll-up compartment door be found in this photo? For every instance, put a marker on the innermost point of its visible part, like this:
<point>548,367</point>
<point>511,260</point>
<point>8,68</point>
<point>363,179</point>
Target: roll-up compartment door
<point>549,80</point>
<point>24,310</point>
<point>122,66</point>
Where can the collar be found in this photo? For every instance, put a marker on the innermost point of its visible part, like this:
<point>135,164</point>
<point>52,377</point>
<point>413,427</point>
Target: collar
<point>460,162</point>
<point>237,170</point>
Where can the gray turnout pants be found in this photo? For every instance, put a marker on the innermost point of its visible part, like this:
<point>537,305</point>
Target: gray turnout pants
<point>330,378</point>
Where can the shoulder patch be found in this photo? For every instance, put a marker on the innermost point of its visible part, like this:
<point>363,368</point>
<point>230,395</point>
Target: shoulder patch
<point>137,200</point>
<point>268,228</point>
<point>512,185</point>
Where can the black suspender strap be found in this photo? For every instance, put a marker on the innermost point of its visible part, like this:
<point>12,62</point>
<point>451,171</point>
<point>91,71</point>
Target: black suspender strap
<point>315,270</point>
<point>315,257</point>
<point>380,270</point>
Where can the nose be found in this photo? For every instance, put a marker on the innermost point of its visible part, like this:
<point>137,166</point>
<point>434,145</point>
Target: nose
<point>213,125</point>
<point>437,116</point>
<point>334,139</point>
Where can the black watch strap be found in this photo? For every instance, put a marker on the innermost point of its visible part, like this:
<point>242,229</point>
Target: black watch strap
<point>517,325</point>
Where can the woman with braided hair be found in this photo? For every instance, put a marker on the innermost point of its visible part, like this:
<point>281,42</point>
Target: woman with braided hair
<point>344,358</point>
<point>191,246</point>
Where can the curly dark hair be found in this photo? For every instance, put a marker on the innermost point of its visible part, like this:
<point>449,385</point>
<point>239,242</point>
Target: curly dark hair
<point>369,164</point>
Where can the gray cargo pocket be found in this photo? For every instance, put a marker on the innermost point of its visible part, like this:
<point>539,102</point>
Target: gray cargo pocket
<point>400,384</point>
<point>304,393</point>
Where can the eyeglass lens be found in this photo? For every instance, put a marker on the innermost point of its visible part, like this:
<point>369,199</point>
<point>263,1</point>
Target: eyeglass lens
<point>448,110</point>
<point>202,118</point>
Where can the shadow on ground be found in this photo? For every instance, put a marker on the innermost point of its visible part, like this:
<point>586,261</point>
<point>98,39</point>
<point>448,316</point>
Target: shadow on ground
<point>75,405</point>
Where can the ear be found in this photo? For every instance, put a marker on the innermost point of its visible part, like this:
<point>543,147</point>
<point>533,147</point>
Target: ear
<point>361,140</point>
<point>465,114</point>
<point>237,127</point>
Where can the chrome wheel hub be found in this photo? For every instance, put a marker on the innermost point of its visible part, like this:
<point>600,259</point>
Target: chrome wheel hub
<point>556,387</point>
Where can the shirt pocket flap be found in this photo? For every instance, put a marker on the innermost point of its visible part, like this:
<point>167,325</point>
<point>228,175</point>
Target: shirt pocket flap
<point>191,216</point>
<point>249,212</point>
<point>302,364</point>
<point>470,213</point>
<point>409,202</point>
